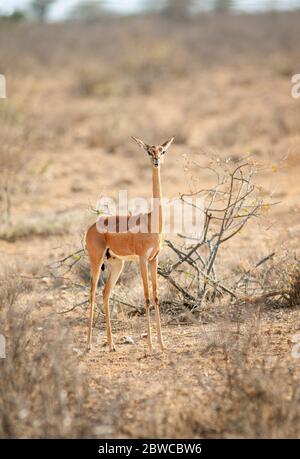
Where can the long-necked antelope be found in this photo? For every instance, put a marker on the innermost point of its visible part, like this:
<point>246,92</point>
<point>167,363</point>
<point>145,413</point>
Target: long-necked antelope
<point>118,246</point>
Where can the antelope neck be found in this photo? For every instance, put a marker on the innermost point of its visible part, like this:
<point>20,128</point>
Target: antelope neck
<point>157,210</point>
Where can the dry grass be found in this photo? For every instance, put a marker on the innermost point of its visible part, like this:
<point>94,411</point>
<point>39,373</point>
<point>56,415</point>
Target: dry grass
<point>41,391</point>
<point>256,396</point>
<point>56,224</point>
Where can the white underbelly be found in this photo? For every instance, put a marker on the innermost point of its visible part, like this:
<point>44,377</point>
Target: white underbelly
<point>124,257</point>
<point>128,257</point>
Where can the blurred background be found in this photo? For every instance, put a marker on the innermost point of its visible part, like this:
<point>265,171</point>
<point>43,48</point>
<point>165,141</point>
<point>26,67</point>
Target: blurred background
<point>68,9</point>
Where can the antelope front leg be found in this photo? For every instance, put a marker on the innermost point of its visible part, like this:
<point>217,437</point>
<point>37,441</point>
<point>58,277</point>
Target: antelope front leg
<point>144,273</point>
<point>116,266</point>
<point>154,264</point>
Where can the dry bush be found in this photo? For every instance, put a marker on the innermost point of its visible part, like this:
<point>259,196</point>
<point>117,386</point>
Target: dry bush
<point>41,391</point>
<point>276,283</point>
<point>228,206</point>
<point>253,395</point>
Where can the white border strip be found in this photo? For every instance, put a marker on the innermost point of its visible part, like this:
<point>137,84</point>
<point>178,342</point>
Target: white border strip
<point>2,87</point>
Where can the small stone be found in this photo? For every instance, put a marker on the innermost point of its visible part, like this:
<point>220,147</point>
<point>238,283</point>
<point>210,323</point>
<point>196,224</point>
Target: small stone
<point>128,340</point>
<point>77,351</point>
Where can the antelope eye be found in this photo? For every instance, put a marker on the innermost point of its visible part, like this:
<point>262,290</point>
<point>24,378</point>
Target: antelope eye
<point>149,153</point>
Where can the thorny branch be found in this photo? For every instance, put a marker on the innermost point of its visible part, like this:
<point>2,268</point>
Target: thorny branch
<point>229,205</point>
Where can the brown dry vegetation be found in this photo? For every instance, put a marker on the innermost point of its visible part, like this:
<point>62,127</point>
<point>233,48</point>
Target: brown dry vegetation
<point>76,93</point>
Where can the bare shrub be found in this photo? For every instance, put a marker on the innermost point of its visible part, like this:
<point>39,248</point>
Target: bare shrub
<point>41,392</point>
<point>276,284</point>
<point>228,206</point>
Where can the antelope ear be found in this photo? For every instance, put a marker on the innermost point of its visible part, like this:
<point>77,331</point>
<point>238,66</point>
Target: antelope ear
<point>167,144</point>
<point>140,143</point>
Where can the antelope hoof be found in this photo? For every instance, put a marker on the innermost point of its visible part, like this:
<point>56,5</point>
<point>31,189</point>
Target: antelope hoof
<point>112,348</point>
<point>162,347</point>
<point>150,350</point>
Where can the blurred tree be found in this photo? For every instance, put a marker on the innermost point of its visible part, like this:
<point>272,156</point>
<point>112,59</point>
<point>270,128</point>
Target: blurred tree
<point>40,8</point>
<point>185,7</point>
<point>179,8</point>
<point>223,5</point>
<point>153,6</point>
<point>16,15</point>
<point>88,10</point>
